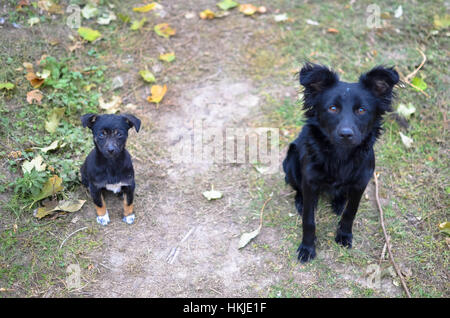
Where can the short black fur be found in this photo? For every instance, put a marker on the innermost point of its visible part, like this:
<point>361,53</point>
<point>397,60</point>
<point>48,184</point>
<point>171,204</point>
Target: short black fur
<point>109,162</point>
<point>334,151</point>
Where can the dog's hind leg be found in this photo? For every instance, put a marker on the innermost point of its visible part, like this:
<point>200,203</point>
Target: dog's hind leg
<point>128,196</point>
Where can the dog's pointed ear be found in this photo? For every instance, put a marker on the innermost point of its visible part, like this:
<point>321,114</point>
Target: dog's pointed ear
<point>316,78</point>
<point>380,80</point>
<point>132,121</point>
<point>88,120</point>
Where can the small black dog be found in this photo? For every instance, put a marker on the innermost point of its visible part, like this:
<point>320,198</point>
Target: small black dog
<point>108,166</point>
<point>334,151</point>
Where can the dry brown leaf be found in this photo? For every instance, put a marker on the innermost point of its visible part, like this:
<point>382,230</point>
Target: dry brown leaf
<point>34,95</point>
<point>248,9</point>
<point>28,66</point>
<point>75,46</point>
<point>34,80</point>
<point>262,9</point>
<point>22,3</point>
<point>112,106</point>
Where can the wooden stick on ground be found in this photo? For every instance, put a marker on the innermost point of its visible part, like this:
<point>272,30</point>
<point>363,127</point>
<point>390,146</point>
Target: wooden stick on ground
<point>388,245</point>
<point>408,77</point>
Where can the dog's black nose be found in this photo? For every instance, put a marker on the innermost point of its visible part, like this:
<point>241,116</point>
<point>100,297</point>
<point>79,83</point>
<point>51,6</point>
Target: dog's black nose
<point>110,151</point>
<point>346,133</point>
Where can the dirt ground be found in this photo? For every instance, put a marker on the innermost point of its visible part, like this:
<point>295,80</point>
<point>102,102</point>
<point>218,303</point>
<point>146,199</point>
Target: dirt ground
<point>138,260</point>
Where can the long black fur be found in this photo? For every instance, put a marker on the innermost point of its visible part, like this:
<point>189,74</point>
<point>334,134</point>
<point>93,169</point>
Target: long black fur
<point>334,151</point>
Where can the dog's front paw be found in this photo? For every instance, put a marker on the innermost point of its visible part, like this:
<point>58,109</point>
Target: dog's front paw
<point>306,253</point>
<point>344,238</point>
<point>129,219</point>
<point>103,219</point>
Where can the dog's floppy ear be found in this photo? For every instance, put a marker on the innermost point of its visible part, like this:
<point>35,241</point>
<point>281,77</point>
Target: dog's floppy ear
<point>316,78</point>
<point>380,80</point>
<point>88,120</point>
<point>132,121</point>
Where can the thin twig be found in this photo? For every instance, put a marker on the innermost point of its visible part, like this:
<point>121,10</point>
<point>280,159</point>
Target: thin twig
<point>83,228</point>
<point>388,245</point>
<point>424,59</point>
<point>261,213</point>
<point>407,78</point>
<point>175,250</point>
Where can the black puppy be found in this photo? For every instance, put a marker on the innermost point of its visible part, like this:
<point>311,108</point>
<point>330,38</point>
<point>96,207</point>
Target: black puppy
<point>334,151</point>
<point>108,166</point>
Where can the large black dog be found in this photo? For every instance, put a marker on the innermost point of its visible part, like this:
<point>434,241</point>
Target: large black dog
<point>108,166</point>
<point>334,151</point>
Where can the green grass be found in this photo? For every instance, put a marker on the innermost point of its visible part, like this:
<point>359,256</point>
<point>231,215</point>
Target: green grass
<point>413,181</point>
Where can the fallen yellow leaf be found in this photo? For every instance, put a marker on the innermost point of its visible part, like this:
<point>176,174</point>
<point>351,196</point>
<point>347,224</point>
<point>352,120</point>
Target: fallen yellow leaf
<point>157,93</point>
<point>145,8</point>
<point>164,30</point>
<point>207,15</point>
<point>168,57</point>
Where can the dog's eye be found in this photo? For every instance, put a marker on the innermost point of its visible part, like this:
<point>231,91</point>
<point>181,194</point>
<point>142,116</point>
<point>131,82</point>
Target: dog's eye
<point>101,135</point>
<point>333,109</point>
<point>361,110</point>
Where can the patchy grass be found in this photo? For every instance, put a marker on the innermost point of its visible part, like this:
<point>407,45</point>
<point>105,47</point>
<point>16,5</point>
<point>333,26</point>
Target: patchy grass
<point>414,182</point>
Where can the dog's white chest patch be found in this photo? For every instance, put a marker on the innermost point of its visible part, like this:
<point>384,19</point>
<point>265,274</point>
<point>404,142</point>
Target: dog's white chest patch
<point>116,187</point>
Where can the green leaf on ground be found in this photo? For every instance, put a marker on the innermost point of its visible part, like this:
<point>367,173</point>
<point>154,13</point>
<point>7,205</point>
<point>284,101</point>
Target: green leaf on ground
<point>51,187</point>
<point>227,4</point>
<point>419,83</point>
<point>136,25</point>
<point>147,76</point>
<point>441,22</point>
<point>89,34</point>
<point>6,85</point>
